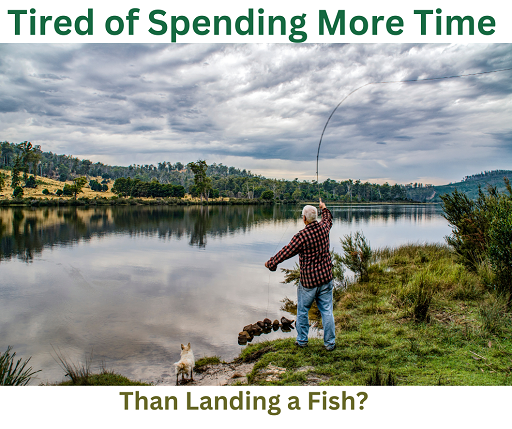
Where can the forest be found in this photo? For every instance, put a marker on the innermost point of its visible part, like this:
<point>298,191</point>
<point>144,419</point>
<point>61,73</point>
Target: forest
<point>219,180</point>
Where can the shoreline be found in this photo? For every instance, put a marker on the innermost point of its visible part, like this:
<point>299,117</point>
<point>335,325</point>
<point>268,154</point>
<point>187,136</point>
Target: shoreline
<point>85,202</point>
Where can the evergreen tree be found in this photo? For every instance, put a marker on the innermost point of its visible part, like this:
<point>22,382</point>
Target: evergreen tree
<point>3,178</point>
<point>16,170</point>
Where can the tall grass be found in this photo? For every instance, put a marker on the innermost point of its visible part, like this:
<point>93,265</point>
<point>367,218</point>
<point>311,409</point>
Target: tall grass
<point>79,373</point>
<point>378,378</point>
<point>14,374</point>
<point>494,315</point>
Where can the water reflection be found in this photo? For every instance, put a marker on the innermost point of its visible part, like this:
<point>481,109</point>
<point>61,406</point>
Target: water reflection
<point>25,232</point>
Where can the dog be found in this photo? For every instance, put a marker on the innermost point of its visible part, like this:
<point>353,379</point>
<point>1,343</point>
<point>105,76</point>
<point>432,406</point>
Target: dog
<point>186,363</point>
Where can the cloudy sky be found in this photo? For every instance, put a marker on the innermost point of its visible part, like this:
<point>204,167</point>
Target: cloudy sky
<point>263,107</point>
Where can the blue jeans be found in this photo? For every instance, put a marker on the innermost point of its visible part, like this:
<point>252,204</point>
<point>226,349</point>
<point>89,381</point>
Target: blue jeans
<point>323,296</point>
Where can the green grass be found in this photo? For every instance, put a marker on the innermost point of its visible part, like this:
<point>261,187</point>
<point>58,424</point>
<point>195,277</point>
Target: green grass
<point>80,374</point>
<point>461,336</point>
<point>104,378</point>
<point>205,361</point>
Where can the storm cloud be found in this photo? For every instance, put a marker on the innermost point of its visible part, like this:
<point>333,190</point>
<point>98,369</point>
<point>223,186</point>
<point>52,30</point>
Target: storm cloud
<point>263,107</point>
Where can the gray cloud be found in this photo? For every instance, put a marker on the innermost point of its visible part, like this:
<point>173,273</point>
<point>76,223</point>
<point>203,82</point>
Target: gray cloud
<point>263,107</point>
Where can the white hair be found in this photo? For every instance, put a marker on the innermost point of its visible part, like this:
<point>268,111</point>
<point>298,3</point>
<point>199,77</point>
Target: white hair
<point>310,212</point>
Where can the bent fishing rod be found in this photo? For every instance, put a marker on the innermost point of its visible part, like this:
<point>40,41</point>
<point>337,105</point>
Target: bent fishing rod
<point>383,82</point>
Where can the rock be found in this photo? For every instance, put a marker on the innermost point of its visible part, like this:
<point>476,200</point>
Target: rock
<point>286,321</point>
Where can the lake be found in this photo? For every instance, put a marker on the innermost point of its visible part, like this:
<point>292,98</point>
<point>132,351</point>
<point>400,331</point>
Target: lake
<point>132,283</point>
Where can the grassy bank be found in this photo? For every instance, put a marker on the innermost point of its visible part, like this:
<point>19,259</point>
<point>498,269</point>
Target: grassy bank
<point>421,319</point>
<point>104,378</point>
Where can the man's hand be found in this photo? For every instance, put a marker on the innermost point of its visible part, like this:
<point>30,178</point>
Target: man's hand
<point>321,206</point>
<point>266,264</point>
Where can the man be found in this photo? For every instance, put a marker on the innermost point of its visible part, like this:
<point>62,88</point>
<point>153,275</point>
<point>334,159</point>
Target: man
<point>316,281</point>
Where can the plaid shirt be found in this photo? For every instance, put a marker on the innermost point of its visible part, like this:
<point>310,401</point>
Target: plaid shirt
<point>312,245</point>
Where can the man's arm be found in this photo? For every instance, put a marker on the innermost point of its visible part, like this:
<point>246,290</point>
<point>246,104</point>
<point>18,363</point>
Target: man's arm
<point>326,214</point>
<point>285,253</point>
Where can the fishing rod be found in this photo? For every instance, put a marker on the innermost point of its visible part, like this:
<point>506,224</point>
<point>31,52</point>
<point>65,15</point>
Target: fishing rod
<point>389,81</point>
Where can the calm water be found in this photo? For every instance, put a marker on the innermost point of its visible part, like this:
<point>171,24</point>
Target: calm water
<point>132,283</point>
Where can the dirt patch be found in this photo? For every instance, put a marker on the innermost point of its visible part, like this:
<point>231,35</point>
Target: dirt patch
<point>227,374</point>
<point>222,374</point>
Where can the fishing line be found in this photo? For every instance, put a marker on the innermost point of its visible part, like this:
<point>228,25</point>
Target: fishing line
<point>389,81</point>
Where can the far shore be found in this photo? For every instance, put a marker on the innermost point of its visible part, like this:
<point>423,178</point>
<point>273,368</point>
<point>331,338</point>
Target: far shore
<point>131,201</point>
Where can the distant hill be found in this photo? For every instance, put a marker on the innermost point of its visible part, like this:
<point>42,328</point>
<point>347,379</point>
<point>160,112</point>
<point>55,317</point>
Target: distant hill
<point>236,183</point>
<point>470,184</point>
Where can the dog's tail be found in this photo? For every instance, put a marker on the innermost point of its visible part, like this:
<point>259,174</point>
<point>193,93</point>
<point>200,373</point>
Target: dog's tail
<point>180,367</point>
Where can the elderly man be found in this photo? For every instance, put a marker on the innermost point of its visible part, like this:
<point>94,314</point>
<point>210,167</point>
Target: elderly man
<point>316,281</point>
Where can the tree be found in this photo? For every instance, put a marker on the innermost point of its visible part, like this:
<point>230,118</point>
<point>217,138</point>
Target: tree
<point>7,152</point>
<point>86,166</point>
<point>29,155</point>
<point>3,178</point>
<point>77,186</point>
<point>201,181</point>
<point>297,194</point>
<point>122,186</point>
<point>16,170</point>
<point>267,195</point>
<point>63,172</point>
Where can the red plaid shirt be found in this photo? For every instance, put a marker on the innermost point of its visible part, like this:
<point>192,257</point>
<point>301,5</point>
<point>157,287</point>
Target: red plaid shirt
<point>312,245</point>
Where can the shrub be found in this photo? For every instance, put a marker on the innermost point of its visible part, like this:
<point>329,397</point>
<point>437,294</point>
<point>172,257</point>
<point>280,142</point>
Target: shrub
<point>46,191</point>
<point>356,255</point>
<point>95,186</point>
<point>267,195</point>
<point>31,182</point>
<point>18,192</point>
<point>470,224</point>
<point>482,230</point>
<point>293,275</point>
<point>67,191</point>
<point>472,221</point>
<point>12,374</point>
<point>338,272</point>
<point>58,192</point>
<point>500,246</point>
